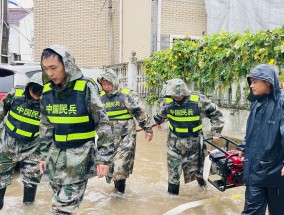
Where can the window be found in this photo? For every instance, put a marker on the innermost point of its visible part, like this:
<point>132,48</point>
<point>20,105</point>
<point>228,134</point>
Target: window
<point>174,37</point>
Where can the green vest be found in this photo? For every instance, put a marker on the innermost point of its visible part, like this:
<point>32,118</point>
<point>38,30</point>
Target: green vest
<point>184,119</point>
<point>23,118</point>
<point>72,122</point>
<point>115,107</point>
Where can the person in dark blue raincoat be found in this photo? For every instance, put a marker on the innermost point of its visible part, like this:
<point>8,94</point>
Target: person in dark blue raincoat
<point>263,147</point>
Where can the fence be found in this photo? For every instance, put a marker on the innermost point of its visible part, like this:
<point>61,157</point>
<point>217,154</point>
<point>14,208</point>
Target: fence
<point>131,75</point>
<point>121,71</point>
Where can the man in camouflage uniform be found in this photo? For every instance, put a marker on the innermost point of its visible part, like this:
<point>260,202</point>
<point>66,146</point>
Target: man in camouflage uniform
<point>20,137</point>
<point>185,152</point>
<point>122,104</point>
<point>72,114</point>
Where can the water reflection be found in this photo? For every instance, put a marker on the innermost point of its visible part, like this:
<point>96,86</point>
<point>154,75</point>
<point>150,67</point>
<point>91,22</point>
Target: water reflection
<point>145,191</point>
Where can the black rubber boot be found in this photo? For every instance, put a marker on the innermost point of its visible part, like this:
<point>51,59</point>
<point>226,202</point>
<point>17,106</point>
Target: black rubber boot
<point>2,194</point>
<point>29,194</point>
<point>201,182</point>
<point>173,189</point>
<point>120,185</point>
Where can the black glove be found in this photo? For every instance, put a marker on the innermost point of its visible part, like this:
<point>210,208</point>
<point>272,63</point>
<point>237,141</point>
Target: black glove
<point>158,119</point>
<point>241,148</point>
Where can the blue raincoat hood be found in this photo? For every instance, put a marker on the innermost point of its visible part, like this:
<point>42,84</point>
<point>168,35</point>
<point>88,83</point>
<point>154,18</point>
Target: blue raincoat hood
<point>267,73</point>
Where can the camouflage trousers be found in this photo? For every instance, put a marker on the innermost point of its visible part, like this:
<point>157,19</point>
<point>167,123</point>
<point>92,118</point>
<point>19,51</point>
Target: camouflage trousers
<point>13,152</point>
<point>183,156</point>
<point>71,165</point>
<point>123,159</point>
<point>67,198</point>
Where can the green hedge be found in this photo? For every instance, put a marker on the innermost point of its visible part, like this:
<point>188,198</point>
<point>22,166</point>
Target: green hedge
<point>214,60</point>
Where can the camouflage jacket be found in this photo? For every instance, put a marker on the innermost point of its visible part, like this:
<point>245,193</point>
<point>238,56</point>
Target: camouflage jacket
<point>134,105</point>
<point>5,103</point>
<point>207,110</point>
<point>132,100</point>
<point>5,106</point>
<point>105,146</point>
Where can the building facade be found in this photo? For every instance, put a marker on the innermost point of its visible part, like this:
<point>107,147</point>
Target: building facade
<point>101,32</point>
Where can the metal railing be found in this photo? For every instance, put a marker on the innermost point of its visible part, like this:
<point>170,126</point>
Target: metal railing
<point>227,98</point>
<point>142,88</point>
<point>121,71</point>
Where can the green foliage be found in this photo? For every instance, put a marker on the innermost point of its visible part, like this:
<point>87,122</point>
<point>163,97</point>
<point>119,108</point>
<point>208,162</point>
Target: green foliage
<point>214,61</point>
<point>281,77</point>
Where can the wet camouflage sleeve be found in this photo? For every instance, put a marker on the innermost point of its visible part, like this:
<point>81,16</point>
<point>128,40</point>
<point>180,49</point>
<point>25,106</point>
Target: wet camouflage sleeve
<point>134,105</point>
<point>46,133</point>
<point>105,143</point>
<point>96,86</point>
<point>5,104</point>
<point>161,114</point>
<point>210,110</point>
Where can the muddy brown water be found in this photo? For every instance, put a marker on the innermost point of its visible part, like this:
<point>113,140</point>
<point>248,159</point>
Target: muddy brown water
<point>146,191</point>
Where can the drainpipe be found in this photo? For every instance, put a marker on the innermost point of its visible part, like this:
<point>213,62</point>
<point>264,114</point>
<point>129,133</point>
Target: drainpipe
<point>2,21</point>
<point>159,14</point>
<point>110,21</point>
<point>120,30</point>
<point>153,28</point>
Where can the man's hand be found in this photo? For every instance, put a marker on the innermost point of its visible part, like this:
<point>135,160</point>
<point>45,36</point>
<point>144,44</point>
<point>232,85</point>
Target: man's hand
<point>42,166</point>
<point>102,170</point>
<point>241,154</point>
<point>159,127</point>
<point>282,171</point>
<point>149,136</point>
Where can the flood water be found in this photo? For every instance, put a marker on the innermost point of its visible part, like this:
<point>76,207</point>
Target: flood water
<point>146,191</point>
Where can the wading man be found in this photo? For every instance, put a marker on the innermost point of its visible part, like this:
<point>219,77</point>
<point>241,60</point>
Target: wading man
<point>72,115</point>
<point>185,110</point>
<point>20,137</point>
<point>122,105</point>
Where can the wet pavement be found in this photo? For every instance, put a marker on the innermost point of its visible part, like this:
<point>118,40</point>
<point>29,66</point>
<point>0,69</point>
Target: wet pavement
<point>146,191</point>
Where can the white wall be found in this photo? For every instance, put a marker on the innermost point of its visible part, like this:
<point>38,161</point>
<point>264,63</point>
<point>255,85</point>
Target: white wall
<point>14,40</point>
<point>21,43</point>
<point>27,28</point>
<point>22,3</point>
<point>18,43</point>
